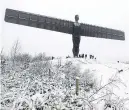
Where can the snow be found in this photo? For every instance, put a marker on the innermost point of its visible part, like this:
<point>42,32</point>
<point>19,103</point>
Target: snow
<point>103,73</point>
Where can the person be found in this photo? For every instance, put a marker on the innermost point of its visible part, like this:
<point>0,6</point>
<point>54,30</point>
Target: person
<point>82,55</point>
<point>76,36</point>
<point>90,56</point>
<point>85,56</point>
<point>53,57</point>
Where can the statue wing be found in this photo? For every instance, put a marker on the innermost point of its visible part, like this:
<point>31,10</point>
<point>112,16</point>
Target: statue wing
<point>101,32</point>
<point>38,21</point>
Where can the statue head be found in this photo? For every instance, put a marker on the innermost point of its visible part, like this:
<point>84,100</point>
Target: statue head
<point>76,17</point>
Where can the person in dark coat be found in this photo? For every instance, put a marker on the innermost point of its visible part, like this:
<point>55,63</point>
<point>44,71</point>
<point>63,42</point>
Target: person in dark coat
<point>82,55</point>
<point>90,56</point>
<point>85,56</point>
<point>67,56</point>
<point>53,57</point>
<point>76,36</point>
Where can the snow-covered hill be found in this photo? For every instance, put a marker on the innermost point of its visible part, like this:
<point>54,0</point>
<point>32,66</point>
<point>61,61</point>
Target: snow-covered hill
<point>102,70</point>
<point>53,83</point>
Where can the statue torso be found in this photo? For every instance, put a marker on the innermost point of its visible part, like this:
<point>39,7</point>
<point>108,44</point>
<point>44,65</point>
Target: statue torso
<point>76,29</point>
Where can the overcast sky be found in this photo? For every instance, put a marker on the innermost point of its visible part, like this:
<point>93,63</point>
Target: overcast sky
<point>107,13</point>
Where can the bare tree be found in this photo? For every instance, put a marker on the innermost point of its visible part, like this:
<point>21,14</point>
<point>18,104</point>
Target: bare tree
<point>15,50</point>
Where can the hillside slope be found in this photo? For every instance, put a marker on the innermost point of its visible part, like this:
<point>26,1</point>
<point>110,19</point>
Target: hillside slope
<point>52,84</point>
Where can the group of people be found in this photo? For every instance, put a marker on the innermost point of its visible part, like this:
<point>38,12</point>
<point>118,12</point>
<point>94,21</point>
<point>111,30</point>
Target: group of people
<point>83,56</point>
<point>79,56</point>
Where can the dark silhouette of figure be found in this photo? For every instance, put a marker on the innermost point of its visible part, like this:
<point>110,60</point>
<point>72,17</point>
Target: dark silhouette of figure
<point>119,71</point>
<point>85,56</point>
<point>82,55</point>
<point>90,56</point>
<point>76,36</point>
<point>53,57</point>
<point>67,56</point>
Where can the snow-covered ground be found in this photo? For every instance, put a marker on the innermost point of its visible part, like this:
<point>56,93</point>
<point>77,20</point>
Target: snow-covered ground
<point>58,88</point>
<point>103,71</point>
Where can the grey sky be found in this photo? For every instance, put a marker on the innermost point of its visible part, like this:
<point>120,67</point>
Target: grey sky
<point>106,13</point>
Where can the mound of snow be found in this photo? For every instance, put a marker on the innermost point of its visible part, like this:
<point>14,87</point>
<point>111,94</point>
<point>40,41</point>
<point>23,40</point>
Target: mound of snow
<point>103,71</point>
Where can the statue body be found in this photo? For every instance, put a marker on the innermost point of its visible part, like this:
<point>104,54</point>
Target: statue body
<point>76,36</point>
